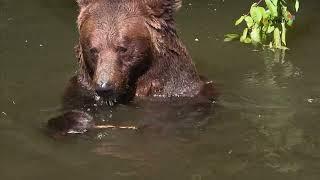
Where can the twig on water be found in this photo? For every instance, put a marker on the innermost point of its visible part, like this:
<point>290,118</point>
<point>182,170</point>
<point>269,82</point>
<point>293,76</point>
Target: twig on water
<point>115,127</point>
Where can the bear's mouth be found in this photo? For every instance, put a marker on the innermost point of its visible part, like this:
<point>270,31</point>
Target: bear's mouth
<point>113,97</point>
<point>108,101</point>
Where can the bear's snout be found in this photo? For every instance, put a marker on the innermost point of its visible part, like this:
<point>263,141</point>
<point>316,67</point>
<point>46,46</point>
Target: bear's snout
<point>104,89</point>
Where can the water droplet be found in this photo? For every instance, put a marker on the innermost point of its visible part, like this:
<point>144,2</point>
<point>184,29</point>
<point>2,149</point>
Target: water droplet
<point>310,100</point>
<point>97,98</point>
<point>100,136</point>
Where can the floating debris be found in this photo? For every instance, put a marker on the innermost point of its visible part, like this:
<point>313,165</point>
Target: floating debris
<point>196,39</point>
<point>4,113</point>
<point>41,45</point>
<point>115,127</point>
<point>310,100</point>
<point>102,135</point>
<point>77,131</point>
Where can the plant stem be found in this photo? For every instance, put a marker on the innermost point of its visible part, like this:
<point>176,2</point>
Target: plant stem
<point>259,2</point>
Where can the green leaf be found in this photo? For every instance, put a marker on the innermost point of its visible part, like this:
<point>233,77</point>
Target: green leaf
<point>266,14</point>
<point>270,29</point>
<point>244,35</point>
<point>247,40</point>
<point>257,13</point>
<point>240,20</point>
<point>284,11</point>
<point>263,37</point>
<point>270,45</point>
<point>272,5</point>
<point>290,22</point>
<point>275,2</point>
<point>277,38</point>
<point>249,21</point>
<point>255,35</point>
<point>231,37</point>
<point>287,15</point>
<point>297,5</point>
<point>283,34</point>
<point>265,28</point>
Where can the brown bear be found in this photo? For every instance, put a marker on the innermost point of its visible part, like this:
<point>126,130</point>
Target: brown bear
<point>129,49</point>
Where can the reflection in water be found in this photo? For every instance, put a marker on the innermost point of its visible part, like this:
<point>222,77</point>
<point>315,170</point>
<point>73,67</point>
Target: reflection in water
<point>276,125</point>
<point>277,73</point>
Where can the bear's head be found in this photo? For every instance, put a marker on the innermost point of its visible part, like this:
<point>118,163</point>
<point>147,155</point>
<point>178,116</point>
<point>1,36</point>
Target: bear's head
<point>121,39</point>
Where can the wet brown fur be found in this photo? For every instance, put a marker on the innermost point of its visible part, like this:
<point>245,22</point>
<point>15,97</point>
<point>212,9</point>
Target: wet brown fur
<point>133,47</point>
<point>165,68</point>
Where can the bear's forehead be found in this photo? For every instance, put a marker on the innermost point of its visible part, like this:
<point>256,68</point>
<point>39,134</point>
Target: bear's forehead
<point>131,26</point>
<point>115,8</point>
<point>104,22</point>
<point>111,14</point>
<point>113,23</point>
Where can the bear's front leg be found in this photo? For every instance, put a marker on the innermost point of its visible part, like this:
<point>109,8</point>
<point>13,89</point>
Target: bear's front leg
<point>71,122</point>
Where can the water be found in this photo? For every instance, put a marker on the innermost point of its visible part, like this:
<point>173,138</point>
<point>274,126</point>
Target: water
<point>266,125</point>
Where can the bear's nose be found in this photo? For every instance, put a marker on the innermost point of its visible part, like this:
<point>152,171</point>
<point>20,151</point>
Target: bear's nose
<point>104,89</point>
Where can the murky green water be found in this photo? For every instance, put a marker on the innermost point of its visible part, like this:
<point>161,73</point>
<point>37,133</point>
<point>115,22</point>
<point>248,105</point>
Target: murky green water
<point>266,127</point>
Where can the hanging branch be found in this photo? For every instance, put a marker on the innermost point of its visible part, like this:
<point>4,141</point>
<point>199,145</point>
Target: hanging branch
<point>267,25</point>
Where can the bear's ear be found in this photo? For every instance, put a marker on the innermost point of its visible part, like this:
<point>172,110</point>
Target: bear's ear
<point>160,13</point>
<point>163,7</point>
<point>83,3</point>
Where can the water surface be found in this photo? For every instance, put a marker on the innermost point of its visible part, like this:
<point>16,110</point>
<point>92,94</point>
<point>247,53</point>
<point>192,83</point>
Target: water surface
<point>266,125</point>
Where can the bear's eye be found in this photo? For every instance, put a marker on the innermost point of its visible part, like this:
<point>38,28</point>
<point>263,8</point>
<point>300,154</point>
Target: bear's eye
<point>94,53</point>
<point>121,49</point>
